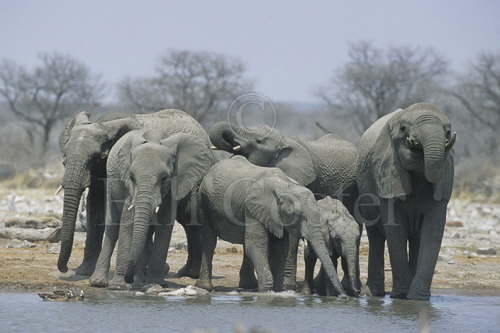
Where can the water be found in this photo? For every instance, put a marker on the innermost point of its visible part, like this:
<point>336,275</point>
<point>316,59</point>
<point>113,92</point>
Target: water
<point>113,312</point>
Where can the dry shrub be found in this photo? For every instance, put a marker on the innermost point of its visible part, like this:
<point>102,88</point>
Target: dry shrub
<point>478,179</point>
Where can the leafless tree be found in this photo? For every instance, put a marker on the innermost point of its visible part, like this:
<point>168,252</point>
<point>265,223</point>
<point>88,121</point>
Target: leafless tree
<point>376,81</point>
<point>200,83</point>
<point>58,87</point>
<point>479,90</point>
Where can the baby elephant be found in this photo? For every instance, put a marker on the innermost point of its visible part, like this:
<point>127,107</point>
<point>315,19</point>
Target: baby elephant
<point>267,212</point>
<point>344,233</point>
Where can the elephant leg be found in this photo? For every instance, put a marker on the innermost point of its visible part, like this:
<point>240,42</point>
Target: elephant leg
<point>397,243</point>
<point>100,276</point>
<point>247,275</point>
<point>124,240</point>
<point>208,247</point>
<point>431,235</point>
<point>192,267</point>
<point>375,282</point>
<point>277,256</point>
<point>157,269</point>
<point>257,249</point>
<point>292,245</point>
<point>414,247</point>
<point>96,204</point>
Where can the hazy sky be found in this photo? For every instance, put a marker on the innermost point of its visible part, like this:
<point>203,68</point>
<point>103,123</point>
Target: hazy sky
<point>290,49</point>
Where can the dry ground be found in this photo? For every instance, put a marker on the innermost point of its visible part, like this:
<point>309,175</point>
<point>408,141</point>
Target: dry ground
<point>35,269</point>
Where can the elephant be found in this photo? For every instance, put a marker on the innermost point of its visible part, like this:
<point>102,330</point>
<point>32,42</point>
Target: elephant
<point>266,211</point>
<point>344,243</point>
<point>151,174</point>
<point>85,146</point>
<point>405,180</point>
<point>327,166</point>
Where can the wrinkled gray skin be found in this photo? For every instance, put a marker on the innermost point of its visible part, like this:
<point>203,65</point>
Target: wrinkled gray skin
<point>327,166</point>
<point>267,212</point>
<point>149,178</point>
<point>406,164</point>
<point>344,243</point>
<point>85,146</point>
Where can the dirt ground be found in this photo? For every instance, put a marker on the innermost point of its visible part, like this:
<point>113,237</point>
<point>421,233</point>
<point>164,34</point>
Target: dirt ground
<point>34,269</point>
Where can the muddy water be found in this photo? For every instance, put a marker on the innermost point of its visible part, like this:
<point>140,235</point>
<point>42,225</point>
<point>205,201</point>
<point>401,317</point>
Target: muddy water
<point>113,312</point>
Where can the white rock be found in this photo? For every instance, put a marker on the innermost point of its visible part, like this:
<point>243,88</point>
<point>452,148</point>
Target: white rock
<point>139,293</point>
<point>156,288</point>
<point>19,244</point>
<point>188,291</point>
<point>31,235</point>
<point>53,248</point>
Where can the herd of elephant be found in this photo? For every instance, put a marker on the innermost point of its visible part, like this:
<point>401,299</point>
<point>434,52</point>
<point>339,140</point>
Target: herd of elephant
<point>265,190</point>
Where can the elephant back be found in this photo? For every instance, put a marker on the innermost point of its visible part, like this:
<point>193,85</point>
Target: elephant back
<point>335,161</point>
<point>172,121</point>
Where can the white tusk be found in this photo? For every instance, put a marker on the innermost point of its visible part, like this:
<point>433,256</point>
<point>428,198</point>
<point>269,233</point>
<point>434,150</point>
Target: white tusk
<point>59,189</point>
<point>130,207</point>
<point>236,148</point>
<point>213,147</point>
<point>157,209</point>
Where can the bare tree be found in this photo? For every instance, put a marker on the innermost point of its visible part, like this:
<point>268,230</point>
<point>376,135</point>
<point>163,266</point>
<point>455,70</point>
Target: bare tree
<point>479,90</point>
<point>200,83</point>
<point>377,81</point>
<point>58,87</point>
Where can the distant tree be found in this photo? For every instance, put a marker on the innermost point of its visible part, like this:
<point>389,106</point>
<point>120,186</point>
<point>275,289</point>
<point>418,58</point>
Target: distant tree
<point>479,90</point>
<point>200,83</point>
<point>376,81</point>
<point>55,89</point>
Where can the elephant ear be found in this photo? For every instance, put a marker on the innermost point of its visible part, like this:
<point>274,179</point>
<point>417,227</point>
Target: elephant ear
<point>193,158</point>
<point>391,179</point>
<point>115,129</point>
<point>296,161</point>
<point>79,119</point>
<point>261,203</point>
<point>443,189</point>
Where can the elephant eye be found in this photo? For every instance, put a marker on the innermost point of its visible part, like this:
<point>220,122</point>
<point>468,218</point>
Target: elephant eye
<point>259,140</point>
<point>403,128</point>
<point>448,133</point>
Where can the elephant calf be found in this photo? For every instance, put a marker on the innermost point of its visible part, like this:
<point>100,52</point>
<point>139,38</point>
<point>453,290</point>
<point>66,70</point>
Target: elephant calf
<point>345,233</point>
<point>267,212</point>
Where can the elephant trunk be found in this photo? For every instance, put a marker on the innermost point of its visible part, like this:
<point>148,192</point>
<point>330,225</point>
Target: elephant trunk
<point>142,215</point>
<point>222,136</point>
<point>76,179</point>
<point>432,139</point>
<point>350,255</point>
<point>321,250</point>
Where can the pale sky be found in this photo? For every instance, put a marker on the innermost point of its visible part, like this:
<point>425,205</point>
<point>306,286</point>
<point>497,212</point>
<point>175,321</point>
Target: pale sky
<point>290,49</point>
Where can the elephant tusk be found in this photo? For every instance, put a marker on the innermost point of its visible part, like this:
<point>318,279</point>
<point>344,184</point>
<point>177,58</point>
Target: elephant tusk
<point>130,207</point>
<point>451,142</point>
<point>213,147</point>
<point>59,189</point>
<point>237,148</point>
<point>157,209</point>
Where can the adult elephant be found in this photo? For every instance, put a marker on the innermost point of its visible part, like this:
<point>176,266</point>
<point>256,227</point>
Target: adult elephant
<point>150,172</point>
<point>85,146</point>
<point>327,166</point>
<point>405,179</point>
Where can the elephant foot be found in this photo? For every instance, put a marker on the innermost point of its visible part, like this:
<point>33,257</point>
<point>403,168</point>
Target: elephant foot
<point>306,290</point>
<point>248,282</point>
<point>188,271</point>
<point>420,296</point>
<point>118,283</point>
<point>204,284</point>
<point>99,280</point>
<point>290,286</point>
<point>86,268</point>
<point>160,280</point>
<point>399,295</point>
<point>375,291</point>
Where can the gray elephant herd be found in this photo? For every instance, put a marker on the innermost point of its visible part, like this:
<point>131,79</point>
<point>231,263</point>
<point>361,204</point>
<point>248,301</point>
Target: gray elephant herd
<point>264,190</point>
